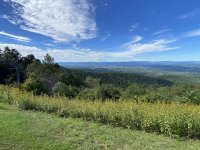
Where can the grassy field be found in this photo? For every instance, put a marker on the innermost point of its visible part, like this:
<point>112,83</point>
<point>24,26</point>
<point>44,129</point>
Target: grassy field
<point>174,119</point>
<point>22,130</point>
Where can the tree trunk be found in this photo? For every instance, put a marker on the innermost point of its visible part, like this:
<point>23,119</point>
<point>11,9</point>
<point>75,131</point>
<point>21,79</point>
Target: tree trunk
<point>17,74</point>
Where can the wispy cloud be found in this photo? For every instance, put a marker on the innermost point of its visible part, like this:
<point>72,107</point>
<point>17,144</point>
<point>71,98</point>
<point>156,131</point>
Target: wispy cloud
<point>15,37</point>
<point>128,51</point>
<point>161,31</point>
<point>106,37</point>
<point>134,27</point>
<point>192,33</point>
<point>135,39</point>
<point>190,14</point>
<point>60,55</point>
<point>48,44</point>
<point>61,20</point>
<point>24,50</point>
<point>133,49</point>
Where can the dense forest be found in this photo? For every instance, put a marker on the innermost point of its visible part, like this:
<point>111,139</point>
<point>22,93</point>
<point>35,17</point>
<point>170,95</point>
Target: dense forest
<point>48,77</point>
<point>121,80</point>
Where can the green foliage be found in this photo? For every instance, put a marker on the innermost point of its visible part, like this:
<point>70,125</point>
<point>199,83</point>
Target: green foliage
<point>50,78</point>
<point>48,59</point>
<point>120,80</point>
<point>11,57</point>
<point>13,66</point>
<point>90,94</point>
<point>92,90</point>
<point>109,92</point>
<point>92,82</point>
<point>100,93</point>
<point>171,119</point>
<point>193,97</point>
<point>65,90</point>
<point>35,84</point>
<point>39,131</point>
<point>134,91</point>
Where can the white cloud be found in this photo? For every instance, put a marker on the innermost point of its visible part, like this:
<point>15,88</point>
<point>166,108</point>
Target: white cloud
<point>190,14</point>
<point>133,49</point>
<point>60,55</point>
<point>24,50</point>
<point>128,51</point>
<point>106,37</point>
<point>161,31</point>
<point>134,27</point>
<point>137,38</point>
<point>48,44</point>
<point>193,33</point>
<point>15,37</point>
<point>61,20</point>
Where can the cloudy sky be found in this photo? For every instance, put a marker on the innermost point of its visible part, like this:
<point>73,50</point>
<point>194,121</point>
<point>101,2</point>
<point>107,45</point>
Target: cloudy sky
<point>102,30</point>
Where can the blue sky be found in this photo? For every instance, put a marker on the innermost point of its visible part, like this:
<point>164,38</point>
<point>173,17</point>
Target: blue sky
<point>102,30</point>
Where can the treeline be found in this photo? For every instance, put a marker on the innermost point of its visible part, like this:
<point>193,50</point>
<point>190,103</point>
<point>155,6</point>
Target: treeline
<point>13,66</point>
<point>48,77</point>
<point>121,80</point>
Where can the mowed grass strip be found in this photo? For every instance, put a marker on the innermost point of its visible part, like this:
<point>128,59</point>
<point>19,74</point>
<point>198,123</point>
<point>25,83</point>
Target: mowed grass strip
<point>23,130</point>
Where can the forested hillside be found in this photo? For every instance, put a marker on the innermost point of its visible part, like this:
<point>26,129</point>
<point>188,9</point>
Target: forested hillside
<point>121,80</point>
<point>48,77</point>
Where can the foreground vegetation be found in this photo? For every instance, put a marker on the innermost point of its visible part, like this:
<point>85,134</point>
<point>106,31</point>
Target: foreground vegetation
<point>172,119</point>
<point>141,103</point>
<point>47,77</point>
<point>31,130</point>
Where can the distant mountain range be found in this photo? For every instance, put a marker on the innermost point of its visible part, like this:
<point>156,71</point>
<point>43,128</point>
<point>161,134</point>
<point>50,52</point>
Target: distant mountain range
<point>129,64</point>
<point>180,66</point>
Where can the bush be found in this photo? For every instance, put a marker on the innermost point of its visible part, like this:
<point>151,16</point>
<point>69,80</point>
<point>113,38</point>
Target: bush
<point>172,119</point>
<point>90,94</point>
<point>109,92</point>
<point>193,97</point>
<point>92,82</point>
<point>35,84</point>
<point>134,91</point>
<point>65,90</point>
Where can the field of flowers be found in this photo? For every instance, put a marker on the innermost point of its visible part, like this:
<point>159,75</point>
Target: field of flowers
<point>172,119</point>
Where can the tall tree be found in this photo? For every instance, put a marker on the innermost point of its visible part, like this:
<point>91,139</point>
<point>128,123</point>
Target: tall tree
<point>48,59</point>
<point>12,57</point>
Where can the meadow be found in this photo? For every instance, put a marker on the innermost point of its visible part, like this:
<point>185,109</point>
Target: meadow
<point>36,130</point>
<point>172,119</point>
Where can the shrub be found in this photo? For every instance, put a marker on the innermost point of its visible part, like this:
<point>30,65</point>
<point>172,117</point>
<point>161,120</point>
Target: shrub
<point>65,90</point>
<point>89,94</point>
<point>171,119</point>
<point>109,92</point>
<point>193,97</point>
<point>133,91</point>
<point>35,84</point>
<point>92,82</point>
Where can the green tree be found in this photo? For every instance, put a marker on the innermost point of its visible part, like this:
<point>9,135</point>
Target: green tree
<point>108,91</point>
<point>134,91</point>
<point>12,57</point>
<point>35,84</point>
<point>90,94</point>
<point>92,82</point>
<point>65,90</point>
<point>48,59</point>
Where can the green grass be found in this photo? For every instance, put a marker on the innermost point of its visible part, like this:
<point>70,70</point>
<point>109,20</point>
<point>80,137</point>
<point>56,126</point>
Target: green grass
<point>174,119</point>
<point>22,130</point>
